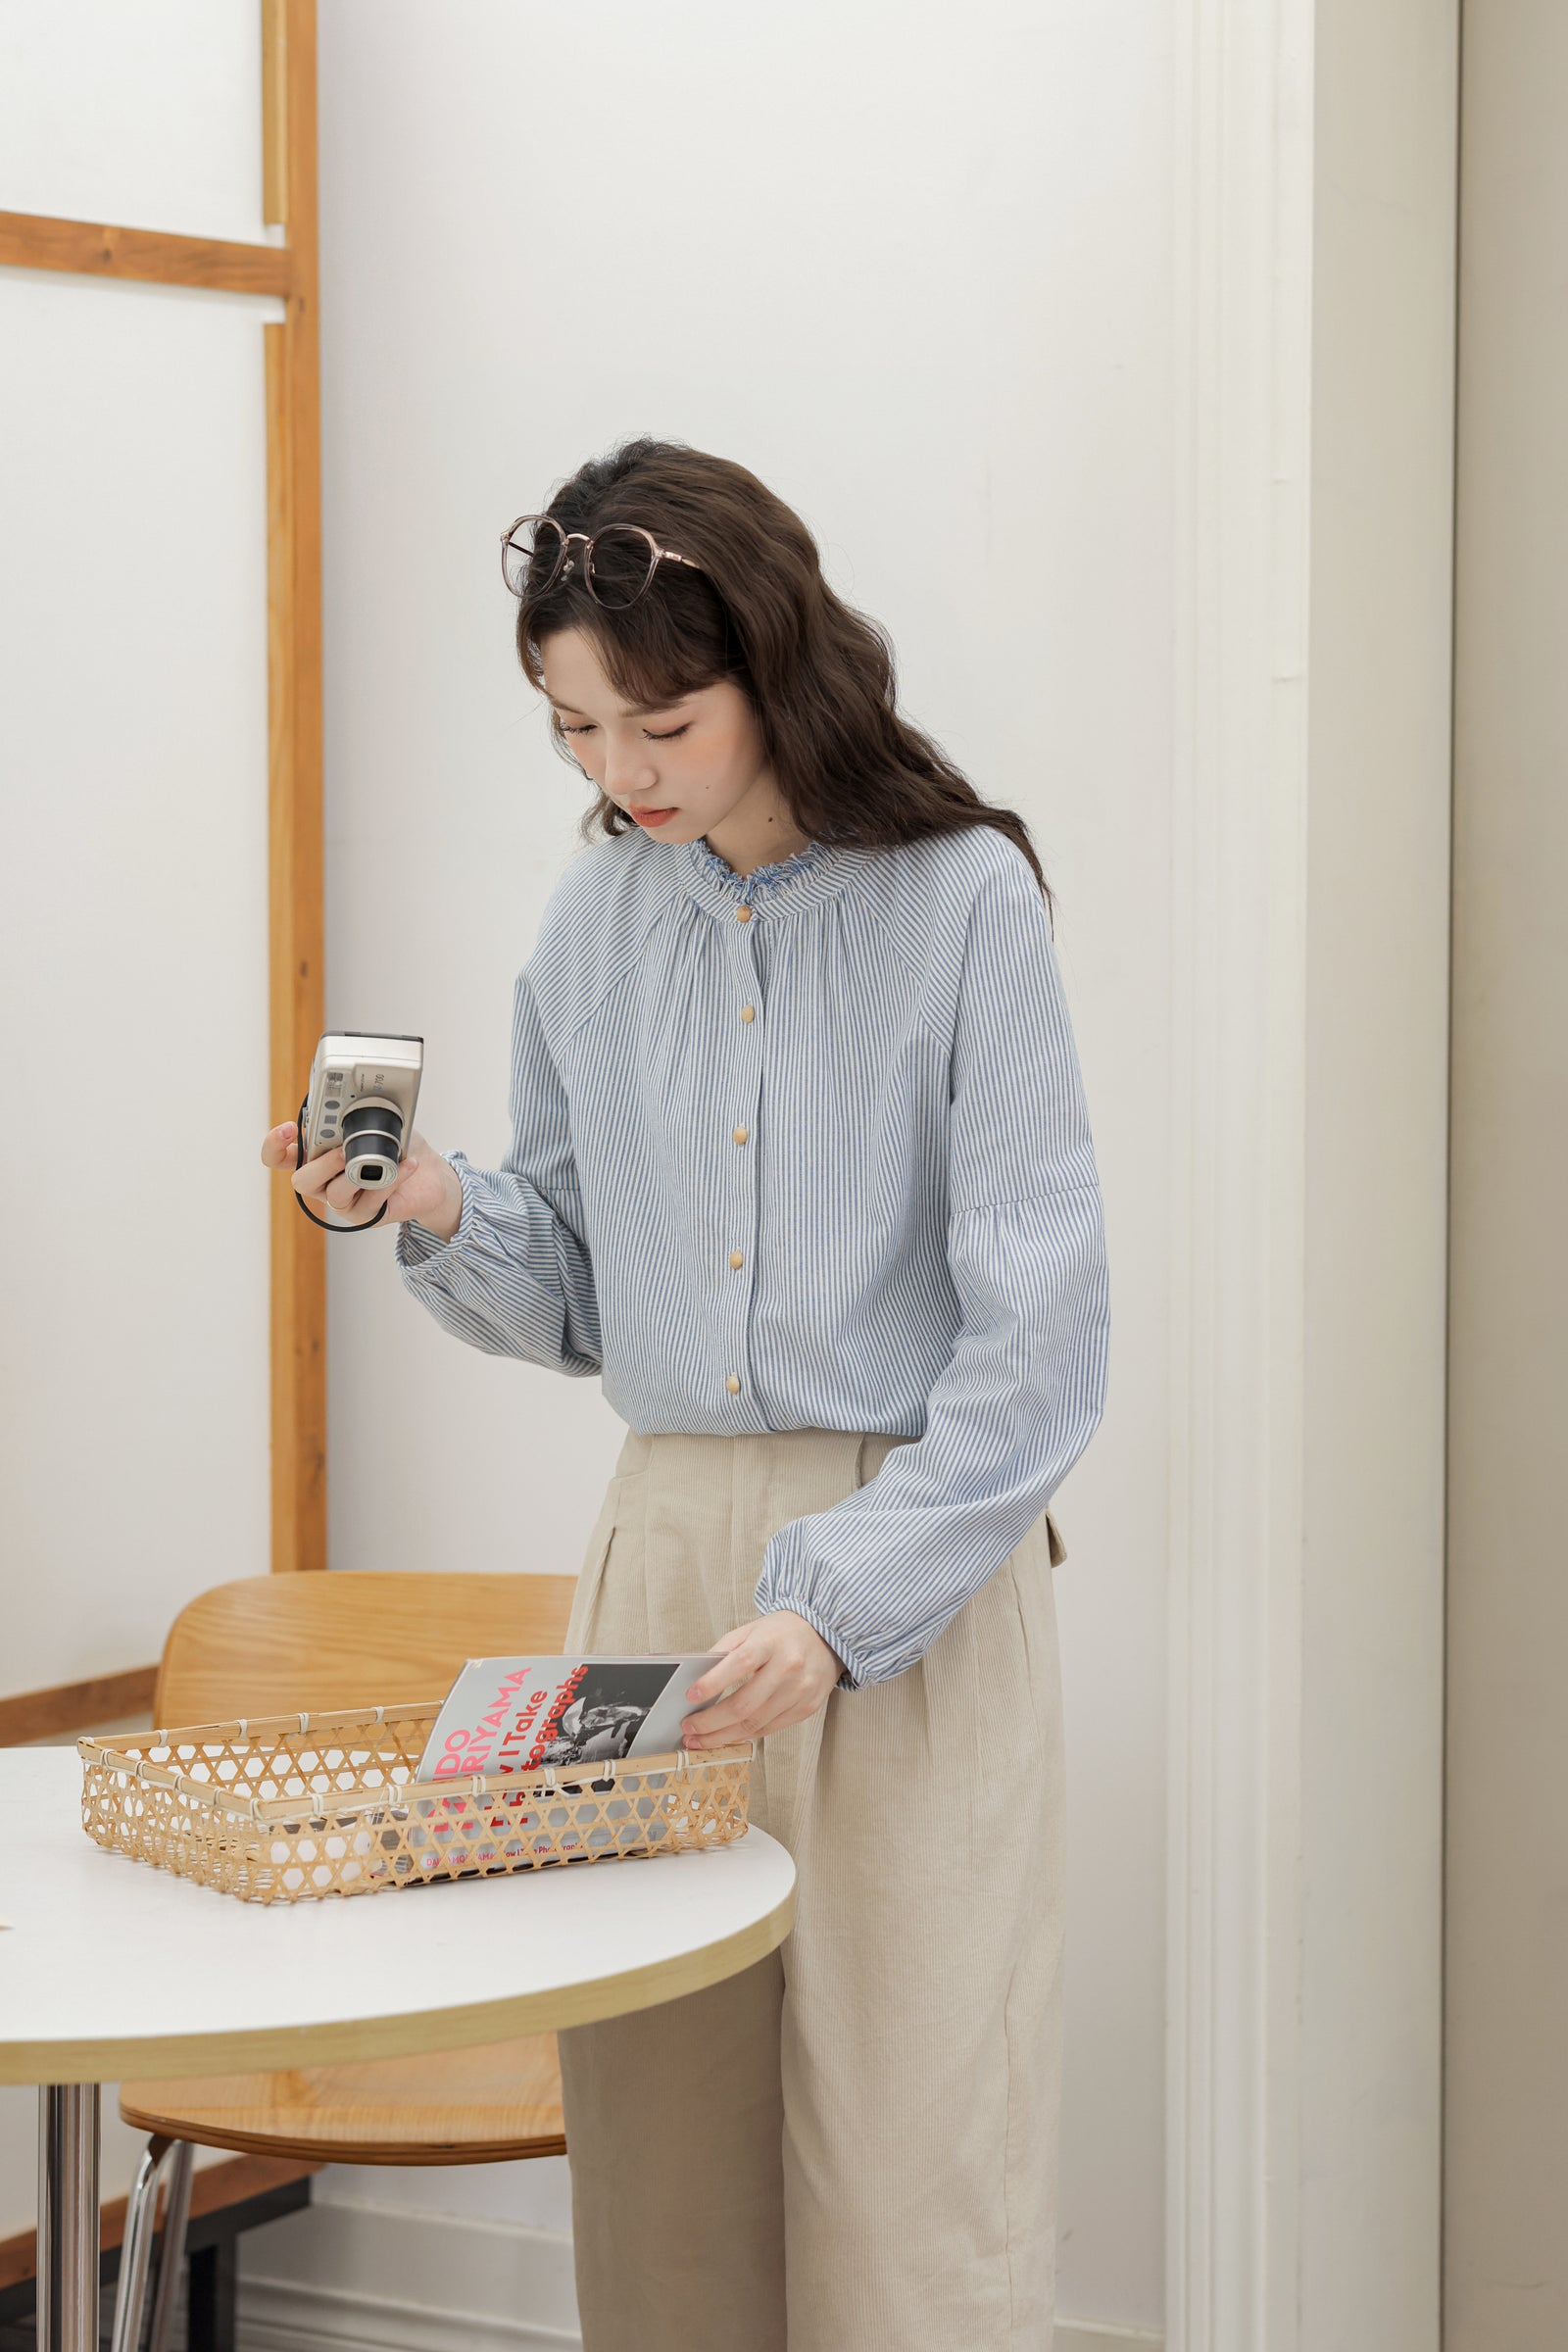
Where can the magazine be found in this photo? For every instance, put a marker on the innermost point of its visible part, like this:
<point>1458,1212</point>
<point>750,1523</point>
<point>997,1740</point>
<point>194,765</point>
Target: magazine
<point>506,1715</point>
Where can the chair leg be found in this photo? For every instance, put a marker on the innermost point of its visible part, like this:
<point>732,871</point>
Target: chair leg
<point>172,2261</point>
<point>141,2216</point>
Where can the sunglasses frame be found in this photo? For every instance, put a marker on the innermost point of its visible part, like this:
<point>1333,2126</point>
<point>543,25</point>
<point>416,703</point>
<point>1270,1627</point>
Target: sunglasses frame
<point>565,561</point>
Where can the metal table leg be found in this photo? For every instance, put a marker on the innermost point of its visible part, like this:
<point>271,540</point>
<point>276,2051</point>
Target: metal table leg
<point>171,2262</point>
<point>68,2216</point>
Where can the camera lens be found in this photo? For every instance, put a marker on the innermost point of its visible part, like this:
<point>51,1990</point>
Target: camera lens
<point>372,1143</point>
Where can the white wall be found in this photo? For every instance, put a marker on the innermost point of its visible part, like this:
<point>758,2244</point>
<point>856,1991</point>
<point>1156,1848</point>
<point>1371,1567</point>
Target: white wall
<point>134,1332</point>
<point>134,1301</point>
<point>147,117</point>
<point>909,264</point>
<point>133,1361</point>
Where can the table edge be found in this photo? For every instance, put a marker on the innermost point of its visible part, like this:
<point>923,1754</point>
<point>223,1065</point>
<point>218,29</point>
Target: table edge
<point>269,2048</point>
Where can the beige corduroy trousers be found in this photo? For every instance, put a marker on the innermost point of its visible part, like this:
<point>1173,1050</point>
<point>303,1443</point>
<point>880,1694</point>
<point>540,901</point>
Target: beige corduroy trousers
<point>852,2146</point>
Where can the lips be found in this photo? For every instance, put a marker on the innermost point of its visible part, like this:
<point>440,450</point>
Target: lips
<point>651,816</point>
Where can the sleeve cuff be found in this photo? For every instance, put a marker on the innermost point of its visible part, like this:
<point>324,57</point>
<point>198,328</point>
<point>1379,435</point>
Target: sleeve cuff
<point>417,1248</point>
<point>767,1599</point>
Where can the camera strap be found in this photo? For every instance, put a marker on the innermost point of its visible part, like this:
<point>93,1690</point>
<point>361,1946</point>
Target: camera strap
<point>299,1163</point>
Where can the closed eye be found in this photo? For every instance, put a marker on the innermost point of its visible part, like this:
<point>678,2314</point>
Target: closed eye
<point>670,735</point>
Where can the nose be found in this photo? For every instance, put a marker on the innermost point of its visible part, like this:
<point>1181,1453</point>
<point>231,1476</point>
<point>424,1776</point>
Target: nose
<point>629,773</point>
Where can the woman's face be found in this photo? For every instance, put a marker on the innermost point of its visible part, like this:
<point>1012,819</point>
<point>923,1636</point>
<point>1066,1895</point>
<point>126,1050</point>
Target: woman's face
<point>681,771</point>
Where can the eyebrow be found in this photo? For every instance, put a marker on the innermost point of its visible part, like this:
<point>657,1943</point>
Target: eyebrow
<point>641,709</point>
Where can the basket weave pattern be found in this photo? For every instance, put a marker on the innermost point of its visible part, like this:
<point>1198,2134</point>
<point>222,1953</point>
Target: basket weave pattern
<point>294,1807</point>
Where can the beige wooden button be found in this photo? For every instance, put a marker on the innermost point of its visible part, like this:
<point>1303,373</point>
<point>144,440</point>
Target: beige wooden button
<point>735,1258</point>
<point>740,1135</point>
<point>747,1012</point>
<point>733,1384</point>
<point>743,914</point>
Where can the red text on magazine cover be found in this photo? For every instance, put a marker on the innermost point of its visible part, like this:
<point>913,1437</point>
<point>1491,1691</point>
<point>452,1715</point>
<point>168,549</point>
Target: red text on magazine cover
<point>515,1731</point>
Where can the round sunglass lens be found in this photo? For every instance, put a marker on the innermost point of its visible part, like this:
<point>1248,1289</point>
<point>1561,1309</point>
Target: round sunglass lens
<point>621,565</point>
<point>532,556</point>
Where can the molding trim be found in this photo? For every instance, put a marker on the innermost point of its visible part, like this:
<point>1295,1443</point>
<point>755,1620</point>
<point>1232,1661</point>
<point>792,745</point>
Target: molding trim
<point>275,2315</point>
<point>1243,200</point>
<point>1089,2335</point>
<point>355,2278</point>
<point>359,2279</point>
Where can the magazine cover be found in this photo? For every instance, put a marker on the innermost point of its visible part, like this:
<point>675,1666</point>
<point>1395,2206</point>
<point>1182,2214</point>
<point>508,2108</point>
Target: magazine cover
<point>514,1714</point>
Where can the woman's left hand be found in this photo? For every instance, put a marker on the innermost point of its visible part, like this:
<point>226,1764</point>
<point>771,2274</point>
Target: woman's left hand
<point>785,1671</point>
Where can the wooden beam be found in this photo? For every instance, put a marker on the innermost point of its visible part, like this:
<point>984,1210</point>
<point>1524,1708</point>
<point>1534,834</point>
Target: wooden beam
<point>93,249</point>
<point>77,1706</point>
<point>213,2188</point>
<point>295,853</point>
<point>275,112</point>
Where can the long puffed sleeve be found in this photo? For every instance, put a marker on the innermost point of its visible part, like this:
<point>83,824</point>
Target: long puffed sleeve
<point>515,1277</point>
<point>882,1573</point>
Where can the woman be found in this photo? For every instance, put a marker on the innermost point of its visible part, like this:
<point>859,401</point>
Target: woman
<point>801,1167</point>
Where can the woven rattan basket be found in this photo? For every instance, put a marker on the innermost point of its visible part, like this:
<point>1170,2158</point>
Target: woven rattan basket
<point>289,1807</point>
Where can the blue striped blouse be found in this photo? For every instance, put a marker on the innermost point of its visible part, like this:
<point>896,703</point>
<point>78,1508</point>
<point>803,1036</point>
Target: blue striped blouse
<point>806,1151</point>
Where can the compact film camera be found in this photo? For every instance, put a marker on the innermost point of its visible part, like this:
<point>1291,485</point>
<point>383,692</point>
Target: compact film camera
<point>363,1088</point>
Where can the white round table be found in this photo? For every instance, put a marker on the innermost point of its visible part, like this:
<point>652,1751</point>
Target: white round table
<point>111,1970</point>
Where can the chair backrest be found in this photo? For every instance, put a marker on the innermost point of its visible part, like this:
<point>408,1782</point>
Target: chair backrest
<point>268,1644</point>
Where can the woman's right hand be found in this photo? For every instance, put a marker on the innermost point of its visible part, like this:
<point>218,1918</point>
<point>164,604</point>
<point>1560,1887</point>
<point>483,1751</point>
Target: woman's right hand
<point>427,1189</point>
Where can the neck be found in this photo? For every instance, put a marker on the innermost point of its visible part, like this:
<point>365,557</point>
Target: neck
<point>746,840</point>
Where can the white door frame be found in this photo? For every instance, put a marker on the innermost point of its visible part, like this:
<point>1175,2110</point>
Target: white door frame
<point>1313,209</point>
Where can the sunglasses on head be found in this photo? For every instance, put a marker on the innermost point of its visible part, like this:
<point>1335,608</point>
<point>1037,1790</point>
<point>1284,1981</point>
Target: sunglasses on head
<point>616,565</point>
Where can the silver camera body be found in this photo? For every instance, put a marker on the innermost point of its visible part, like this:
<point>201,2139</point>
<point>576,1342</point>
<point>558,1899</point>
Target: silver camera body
<point>364,1089</point>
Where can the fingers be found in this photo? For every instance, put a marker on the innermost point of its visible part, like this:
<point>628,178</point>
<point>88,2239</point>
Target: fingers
<point>780,1688</point>
<point>775,1685</point>
<point>322,1180</point>
<point>731,1719</point>
<point>719,1717</point>
<point>318,1173</point>
<point>724,1734</point>
<point>789,1711</point>
<point>779,1671</point>
<point>741,1658</point>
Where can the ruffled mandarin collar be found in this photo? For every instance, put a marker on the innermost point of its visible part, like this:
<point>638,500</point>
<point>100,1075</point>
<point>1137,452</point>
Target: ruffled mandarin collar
<point>785,886</point>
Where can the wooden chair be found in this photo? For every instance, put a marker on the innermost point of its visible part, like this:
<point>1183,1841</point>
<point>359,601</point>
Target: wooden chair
<point>267,1645</point>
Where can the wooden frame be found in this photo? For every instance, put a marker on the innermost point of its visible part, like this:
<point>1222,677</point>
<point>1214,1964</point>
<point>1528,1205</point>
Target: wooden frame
<point>77,1706</point>
<point>292,362</point>
<point>294,700</point>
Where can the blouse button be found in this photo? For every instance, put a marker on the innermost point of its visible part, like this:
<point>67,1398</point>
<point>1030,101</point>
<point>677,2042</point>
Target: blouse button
<point>747,1012</point>
<point>736,1259</point>
<point>733,1385</point>
<point>743,914</point>
<point>740,1135</point>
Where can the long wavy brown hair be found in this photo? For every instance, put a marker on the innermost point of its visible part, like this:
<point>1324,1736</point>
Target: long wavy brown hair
<point>819,675</point>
